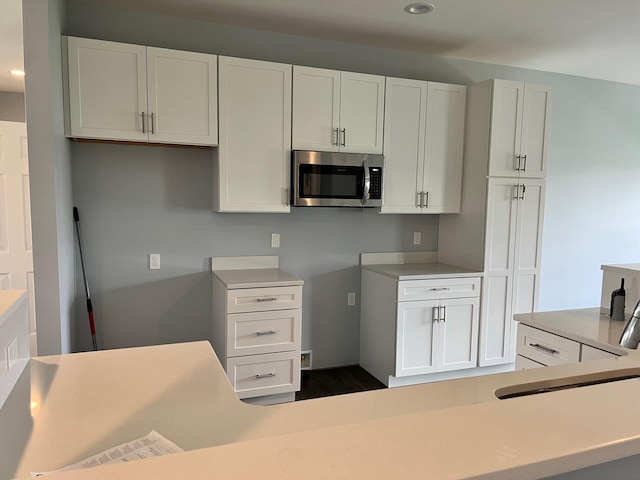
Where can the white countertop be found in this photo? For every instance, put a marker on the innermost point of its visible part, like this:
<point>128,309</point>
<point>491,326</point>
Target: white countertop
<point>420,271</point>
<point>586,326</point>
<point>85,403</point>
<point>256,278</point>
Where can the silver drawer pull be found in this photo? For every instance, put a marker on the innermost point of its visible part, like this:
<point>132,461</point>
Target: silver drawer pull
<point>544,349</point>
<point>270,299</point>
<point>265,375</point>
<point>441,289</point>
<point>268,332</point>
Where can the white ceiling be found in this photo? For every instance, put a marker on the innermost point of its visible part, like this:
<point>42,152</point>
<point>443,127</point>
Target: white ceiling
<point>590,38</point>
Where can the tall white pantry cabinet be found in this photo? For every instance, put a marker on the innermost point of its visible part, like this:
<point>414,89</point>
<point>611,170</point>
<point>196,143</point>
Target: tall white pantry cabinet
<point>499,228</point>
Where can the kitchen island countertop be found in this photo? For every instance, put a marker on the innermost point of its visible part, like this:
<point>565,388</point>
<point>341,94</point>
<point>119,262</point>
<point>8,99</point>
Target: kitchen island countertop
<point>84,403</point>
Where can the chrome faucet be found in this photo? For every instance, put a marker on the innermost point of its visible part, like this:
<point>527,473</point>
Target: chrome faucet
<point>631,334</point>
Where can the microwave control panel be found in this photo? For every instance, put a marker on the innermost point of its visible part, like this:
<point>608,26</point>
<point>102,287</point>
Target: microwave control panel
<point>375,188</point>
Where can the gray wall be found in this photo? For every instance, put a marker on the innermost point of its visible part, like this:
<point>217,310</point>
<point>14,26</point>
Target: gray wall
<point>135,200</point>
<point>12,106</point>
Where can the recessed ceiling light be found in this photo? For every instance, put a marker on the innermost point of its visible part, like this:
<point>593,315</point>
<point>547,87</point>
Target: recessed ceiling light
<point>16,72</point>
<point>418,8</point>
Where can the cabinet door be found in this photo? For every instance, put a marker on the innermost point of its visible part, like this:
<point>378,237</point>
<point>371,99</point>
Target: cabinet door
<point>506,127</point>
<point>528,248</point>
<point>404,131</point>
<point>183,97</point>
<point>415,338</point>
<point>316,109</point>
<point>458,343</point>
<point>495,329</point>
<point>107,84</point>
<point>535,120</point>
<point>255,136</point>
<point>361,112</point>
<point>442,181</point>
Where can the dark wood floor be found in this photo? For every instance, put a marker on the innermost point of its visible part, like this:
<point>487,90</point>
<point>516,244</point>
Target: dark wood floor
<point>336,381</point>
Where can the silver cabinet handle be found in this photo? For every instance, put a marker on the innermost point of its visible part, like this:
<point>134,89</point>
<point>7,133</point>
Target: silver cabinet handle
<point>268,332</point>
<point>516,190</point>
<point>443,317</point>
<point>544,349</point>
<point>344,137</point>
<point>524,188</point>
<point>426,199</point>
<point>439,289</point>
<point>436,314</point>
<point>265,375</point>
<point>286,197</point>
<point>144,130</point>
<point>519,159</point>
<point>153,128</point>
<point>418,199</point>
<point>337,132</point>
<point>524,165</point>
<point>269,299</point>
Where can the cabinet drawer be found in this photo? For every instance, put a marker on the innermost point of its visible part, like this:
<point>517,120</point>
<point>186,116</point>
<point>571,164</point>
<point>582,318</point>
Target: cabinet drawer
<point>263,332</point>
<point>546,348</point>
<point>523,363</point>
<point>263,299</point>
<point>410,290</point>
<point>268,374</point>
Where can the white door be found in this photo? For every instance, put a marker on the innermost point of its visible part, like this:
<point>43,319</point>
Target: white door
<point>416,338</point>
<point>506,127</point>
<point>404,132</point>
<point>361,112</point>
<point>255,136</point>
<point>16,257</point>
<point>107,90</point>
<point>535,121</point>
<point>495,332</point>
<point>446,105</point>
<point>316,109</point>
<point>182,97</point>
<point>459,320</point>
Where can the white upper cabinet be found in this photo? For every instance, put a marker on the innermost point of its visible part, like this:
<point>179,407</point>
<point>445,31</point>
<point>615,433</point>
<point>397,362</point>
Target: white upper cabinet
<point>337,111</point>
<point>519,120</point>
<point>423,146</point>
<point>254,152</point>
<point>118,91</point>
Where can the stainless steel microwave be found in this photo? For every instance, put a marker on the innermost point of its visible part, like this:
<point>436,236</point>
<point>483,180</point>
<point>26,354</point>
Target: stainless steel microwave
<point>334,179</point>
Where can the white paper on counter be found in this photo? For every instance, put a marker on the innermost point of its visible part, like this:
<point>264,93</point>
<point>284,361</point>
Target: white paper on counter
<point>151,445</point>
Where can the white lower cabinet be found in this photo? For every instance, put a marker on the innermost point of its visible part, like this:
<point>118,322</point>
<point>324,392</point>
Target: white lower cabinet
<point>537,348</point>
<point>257,336</point>
<point>436,335</point>
<point>417,327</point>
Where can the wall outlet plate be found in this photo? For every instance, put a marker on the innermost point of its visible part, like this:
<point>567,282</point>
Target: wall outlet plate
<point>12,353</point>
<point>305,359</point>
<point>351,299</point>
<point>154,261</point>
<point>417,238</point>
<point>275,240</point>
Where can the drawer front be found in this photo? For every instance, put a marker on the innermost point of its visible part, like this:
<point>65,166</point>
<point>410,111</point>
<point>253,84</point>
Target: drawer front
<point>268,374</point>
<point>546,348</point>
<point>523,363</point>
<point>263,299</point>
<point>412,290</point>
<point>263,332</point>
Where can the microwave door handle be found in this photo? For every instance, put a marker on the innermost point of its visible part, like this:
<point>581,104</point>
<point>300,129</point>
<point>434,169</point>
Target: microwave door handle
<point>367,183</point>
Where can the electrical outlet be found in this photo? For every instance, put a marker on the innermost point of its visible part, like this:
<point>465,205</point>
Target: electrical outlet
<point>351,299</point>
<point>417,238</point>
<point>12,353</point>
<point>154,261</point>
<point>275,240</point>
